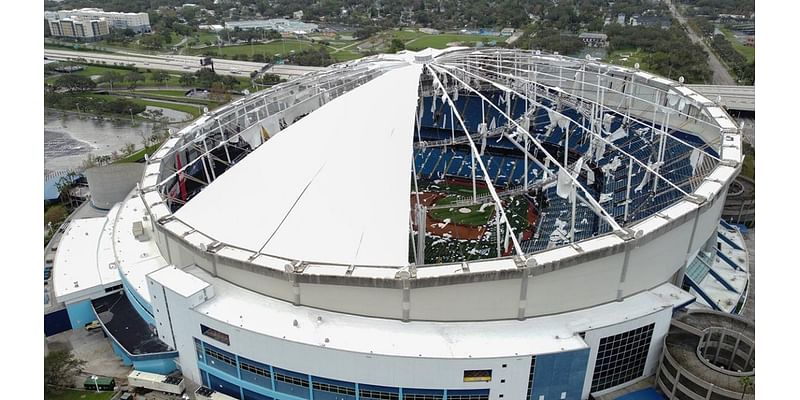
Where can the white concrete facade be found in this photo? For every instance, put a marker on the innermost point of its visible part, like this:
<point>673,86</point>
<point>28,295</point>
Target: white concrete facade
<point>414,326</point>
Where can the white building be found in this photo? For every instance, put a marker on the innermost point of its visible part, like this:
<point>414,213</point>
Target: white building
<point>138,22</point>
<point>276,248</point>
<point>279,24</point>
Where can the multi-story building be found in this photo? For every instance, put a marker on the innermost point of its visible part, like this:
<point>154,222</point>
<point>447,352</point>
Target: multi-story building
<point>138,22</point>
<point>87,29</point>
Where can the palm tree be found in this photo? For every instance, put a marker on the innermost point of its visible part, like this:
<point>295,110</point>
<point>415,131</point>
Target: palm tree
<point>746,382</point>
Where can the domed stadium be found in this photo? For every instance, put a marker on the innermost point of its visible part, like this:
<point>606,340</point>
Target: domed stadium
<point>442,224</point>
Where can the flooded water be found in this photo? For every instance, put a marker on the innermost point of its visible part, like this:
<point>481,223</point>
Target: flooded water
<point>69,139</point>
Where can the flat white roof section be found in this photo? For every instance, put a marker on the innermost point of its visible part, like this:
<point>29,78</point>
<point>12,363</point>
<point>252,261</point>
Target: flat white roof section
<point>264,315</point>
<point>178,281</point>
<point>84,261</point>
<point>339,178</point>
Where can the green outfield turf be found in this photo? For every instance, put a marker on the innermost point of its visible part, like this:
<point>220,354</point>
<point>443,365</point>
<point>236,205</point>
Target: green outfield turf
<point>468,215</point>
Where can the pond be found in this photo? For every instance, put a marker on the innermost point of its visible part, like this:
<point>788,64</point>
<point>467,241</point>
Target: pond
<point>69,138</point>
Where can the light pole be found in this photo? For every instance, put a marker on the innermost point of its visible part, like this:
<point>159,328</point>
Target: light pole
<point>131,110</point>
<point>94,378</point>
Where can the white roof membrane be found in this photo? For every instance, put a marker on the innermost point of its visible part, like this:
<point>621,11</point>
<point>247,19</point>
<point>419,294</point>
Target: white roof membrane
<point>281,197</point>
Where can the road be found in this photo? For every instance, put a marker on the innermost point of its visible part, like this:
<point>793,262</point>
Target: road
<point>179,63</point>
<point>737,97</point>
<point>720,76</point>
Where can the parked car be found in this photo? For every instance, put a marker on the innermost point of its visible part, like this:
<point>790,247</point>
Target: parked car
<point>93,326</point>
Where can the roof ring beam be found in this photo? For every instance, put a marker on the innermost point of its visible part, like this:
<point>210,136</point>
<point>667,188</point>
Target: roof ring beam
<point>605,107</point>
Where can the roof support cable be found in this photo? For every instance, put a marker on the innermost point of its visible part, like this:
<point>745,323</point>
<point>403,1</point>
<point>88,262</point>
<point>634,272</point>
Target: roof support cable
<point>600,137</point>
<point>593,203</point>
<point>479,161</point>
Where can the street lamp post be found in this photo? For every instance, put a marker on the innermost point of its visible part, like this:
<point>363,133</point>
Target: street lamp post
<point>131,110</point>
<point>94,378</point>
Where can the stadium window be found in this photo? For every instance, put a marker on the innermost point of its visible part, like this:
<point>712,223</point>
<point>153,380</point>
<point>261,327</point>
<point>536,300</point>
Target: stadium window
<point>330,388</point>
<point>366,392</point>
<point>215,334</point>
<point>530,377</point>
<point>221,357</point>
<point>478,375</point>
<point>621,357</point>
<point>253,369</point>
<point>291,380</point>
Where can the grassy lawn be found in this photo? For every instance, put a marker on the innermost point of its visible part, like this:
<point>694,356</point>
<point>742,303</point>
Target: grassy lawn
<point>407,35</point>
<point>269,49</point>
<point>473,217</point>
<point>195,111</point>
<point>346,55</point>
<point>441,41</point>
<point>165,92</point>
<point>139,155</point>
<point>747,51</point>
<point>67,394</point>
<point>207,37</point>
<point>153,95</point>
<point>628,58</point>
<point>94,70</point>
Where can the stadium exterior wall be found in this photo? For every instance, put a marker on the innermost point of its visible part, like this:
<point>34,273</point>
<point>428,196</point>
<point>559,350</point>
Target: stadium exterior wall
<point>616,266</point>
<point>619,271</point>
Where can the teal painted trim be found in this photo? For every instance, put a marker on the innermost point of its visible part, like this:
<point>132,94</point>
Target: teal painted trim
<point>247,385</point>
<point>141,306</point>
<point>162,366</point>
<point>80,314</point>
<point>121,353</point>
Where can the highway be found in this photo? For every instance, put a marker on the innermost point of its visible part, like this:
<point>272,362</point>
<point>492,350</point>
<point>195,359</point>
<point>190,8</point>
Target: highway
<point>721,76</point>
<point>742,98</point>
<point>178,63</point>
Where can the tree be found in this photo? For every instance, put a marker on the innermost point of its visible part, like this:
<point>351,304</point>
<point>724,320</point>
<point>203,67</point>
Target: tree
<point>186,79</point>
<point>152,41</point>
<point>747,383</point>
<point>61,367</point>
<point>396,46</point>
<point>55,214</point>
<point>217,92</point>
<point>159,77</point>
<point>74,83</point>
<point>128,149</point>
<point>110,77</point>
<point>133,78</point>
